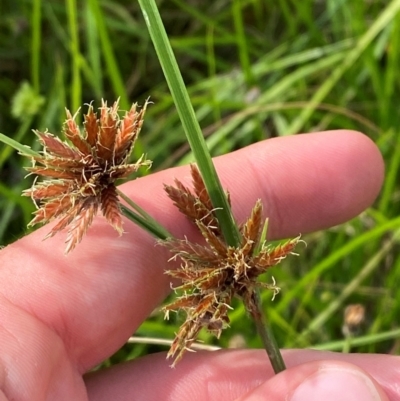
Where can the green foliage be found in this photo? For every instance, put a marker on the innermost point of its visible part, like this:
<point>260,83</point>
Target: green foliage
<point>254,69</point>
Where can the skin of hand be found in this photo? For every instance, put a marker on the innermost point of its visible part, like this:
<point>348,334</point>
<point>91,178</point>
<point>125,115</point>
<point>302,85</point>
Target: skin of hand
<point>62,315</point>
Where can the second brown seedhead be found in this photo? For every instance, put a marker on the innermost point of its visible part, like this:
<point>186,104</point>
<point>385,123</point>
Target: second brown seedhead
<point>213,273</point>
<point>80,174</point>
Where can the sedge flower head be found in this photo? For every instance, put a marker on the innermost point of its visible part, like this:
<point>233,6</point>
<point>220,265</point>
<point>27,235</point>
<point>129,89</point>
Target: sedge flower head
<point>213,273</point>
<point>80,173</point>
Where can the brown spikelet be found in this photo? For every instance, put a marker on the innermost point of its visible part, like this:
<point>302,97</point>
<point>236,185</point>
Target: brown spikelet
<point>187,301</point>
<point>110,207</point>
<point>52,209</point>
<point>72,132</point>
<point>108,131</point>
<point>213,273</point>
<point>252,227</point>
<point>81,222</point>
<point>54,146</point>
<point>44,191</point>
<point>190,250</point>
<point>125,170</point>
<point>190,205</point>
<point>270,257</point>
<point>65,221</point>
<point>182,199</point>
<point>128,132</point>
<point>215,242</point>
<point>58,163</point>
<point>80,177</point>
<point>53,173</point>
<point>199,188</point>
<point>91,127</point>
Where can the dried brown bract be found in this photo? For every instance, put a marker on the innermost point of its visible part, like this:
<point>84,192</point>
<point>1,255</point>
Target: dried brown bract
<point>80,174</point>
<point>214,273</point>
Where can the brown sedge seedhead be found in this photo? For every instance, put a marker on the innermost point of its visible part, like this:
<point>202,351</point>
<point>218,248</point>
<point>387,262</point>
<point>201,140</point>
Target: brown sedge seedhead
<point>80,174</point>
<point>213,273</point>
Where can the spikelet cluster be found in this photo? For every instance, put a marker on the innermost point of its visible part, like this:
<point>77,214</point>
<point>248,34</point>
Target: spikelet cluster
<point>213,273</point>
<point>80,173</point>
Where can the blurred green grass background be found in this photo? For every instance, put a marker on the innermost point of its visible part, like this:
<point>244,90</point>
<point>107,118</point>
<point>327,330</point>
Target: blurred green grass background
<point>254,69</point>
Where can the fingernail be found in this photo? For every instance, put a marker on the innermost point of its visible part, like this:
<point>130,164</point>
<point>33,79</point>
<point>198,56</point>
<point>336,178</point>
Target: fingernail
<point>336,384</point>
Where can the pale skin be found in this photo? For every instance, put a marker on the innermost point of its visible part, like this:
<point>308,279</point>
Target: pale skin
<point>62,315</point>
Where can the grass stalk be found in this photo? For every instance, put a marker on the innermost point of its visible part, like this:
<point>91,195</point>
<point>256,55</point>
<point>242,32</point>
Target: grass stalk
<point>22,149</point>
<point>141,217</point>
<point>147,225</point>
<point>267,337</point>
<point>189,121</point>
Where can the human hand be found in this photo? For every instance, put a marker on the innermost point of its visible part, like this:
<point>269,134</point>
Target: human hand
<point>60,316</point>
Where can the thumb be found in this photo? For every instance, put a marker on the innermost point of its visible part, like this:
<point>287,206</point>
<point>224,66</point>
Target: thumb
<point>319,380</point>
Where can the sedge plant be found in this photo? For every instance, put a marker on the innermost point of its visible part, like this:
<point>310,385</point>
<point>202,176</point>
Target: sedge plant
<point>79,180</point>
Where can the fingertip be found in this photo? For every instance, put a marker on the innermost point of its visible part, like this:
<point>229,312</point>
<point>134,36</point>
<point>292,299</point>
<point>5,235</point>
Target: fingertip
<point>361,164</point>
<point>314,181</point>
<point>322,380</point>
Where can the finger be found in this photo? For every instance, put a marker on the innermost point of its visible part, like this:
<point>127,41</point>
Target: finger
<point>235,375</point>
<point>315,381</point>
<point>306,182</point>
<point>98,295</point>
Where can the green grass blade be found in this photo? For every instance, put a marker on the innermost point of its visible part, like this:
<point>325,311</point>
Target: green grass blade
<point>144,223</point>
<point>109,56</point>
<point>241,42</point>
<point>333,307</point>
<point>358,341</point>
<point>6,152</point>
<point>76,85</point>
<point>393,166</point>
<point>22,149</point>
<point>157,228</point>
<point>382,21</point>
<point>35,44</point>
<point>189,122</point>
<point>93,49</point>
<point>334,257</point>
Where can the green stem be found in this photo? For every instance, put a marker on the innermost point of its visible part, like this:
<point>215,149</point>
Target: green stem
<point>143,218</point>
<point>267,336</point>
<point>143,223</point>
<point>190,124</point>
<point>22,149</point>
